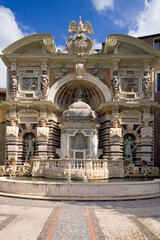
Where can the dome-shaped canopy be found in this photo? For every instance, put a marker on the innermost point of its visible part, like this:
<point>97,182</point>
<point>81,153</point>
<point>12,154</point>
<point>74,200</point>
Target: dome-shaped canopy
<point>79,109</point>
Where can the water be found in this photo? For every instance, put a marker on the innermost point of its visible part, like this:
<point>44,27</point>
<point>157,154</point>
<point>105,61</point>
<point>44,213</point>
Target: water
<point>42,179</point>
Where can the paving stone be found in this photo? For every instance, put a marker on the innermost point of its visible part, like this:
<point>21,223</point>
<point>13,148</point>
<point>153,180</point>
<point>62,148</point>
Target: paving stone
<point>34,219</point>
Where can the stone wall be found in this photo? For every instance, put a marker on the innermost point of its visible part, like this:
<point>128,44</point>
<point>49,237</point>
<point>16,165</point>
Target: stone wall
<point>2,115</point>
<point>2,143</point>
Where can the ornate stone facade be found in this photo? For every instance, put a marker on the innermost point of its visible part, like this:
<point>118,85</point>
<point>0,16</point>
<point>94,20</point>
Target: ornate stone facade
<point>92,105</point>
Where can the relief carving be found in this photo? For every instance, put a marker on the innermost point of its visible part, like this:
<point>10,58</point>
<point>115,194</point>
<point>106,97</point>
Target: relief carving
<point>62,72</point>
<point>97,72</point>
<point>29,83</point>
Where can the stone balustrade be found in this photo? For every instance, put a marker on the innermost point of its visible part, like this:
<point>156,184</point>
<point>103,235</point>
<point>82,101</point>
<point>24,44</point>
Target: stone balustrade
<point>78,168</point>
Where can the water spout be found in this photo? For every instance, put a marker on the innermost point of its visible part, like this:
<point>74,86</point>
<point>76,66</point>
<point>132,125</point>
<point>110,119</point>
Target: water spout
<point>69,178</point>
<point>85,179</point>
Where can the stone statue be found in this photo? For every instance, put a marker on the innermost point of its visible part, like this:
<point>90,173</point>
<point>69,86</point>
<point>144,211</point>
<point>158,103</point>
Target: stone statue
<point>42,131</point>
<point>80,27</point>
<point>44,84</point>
<point>14,84</point>
<point>12,131</point>
<point>115,84</point>
<point>79,94</point>
<point>97,72</point>
<point>80,44</point>
<point>115,131</point>
<point>63,71</point>
<point>145,84</point>
<point>129,148</point>
<point>30,147</point>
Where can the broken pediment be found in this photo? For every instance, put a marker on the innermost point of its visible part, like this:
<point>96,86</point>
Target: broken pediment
<point>37,43</point>
<point>124,44</point>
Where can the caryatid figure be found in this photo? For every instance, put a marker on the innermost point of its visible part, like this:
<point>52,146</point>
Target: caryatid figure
<point>12,130</point>
<point>45,84</point>
<point>146,84</point>
<point>42,131</point>
<point>115,84</point>
<point>14,84</point>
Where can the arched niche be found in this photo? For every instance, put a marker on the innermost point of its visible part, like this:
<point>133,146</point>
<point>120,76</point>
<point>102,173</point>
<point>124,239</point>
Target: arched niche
<point>131,138</point>
<point>64,91</point>
<point>25,138</point>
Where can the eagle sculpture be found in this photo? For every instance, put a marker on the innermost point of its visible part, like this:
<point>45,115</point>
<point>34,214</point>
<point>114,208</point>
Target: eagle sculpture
<point>80,27</point>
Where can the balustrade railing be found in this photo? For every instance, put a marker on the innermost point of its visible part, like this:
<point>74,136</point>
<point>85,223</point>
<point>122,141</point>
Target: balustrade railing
<point>75,164</point>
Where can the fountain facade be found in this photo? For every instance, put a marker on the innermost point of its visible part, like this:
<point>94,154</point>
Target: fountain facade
<point>80,113</point>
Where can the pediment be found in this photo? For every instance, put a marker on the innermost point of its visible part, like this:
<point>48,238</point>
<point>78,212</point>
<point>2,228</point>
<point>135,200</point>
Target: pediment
<point>36,43</point>
<point>124,44</point>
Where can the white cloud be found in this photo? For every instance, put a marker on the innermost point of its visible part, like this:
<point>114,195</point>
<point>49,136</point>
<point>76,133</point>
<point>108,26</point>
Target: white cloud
<point>103,5</point>
<point>97,45</point>
<point>118,22</point>
<point>147,22</point>
<point>10,32</point>
<point>61,47</point>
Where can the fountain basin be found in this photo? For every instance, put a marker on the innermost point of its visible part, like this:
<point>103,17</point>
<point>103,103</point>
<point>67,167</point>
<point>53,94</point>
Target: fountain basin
<point>79,190</point>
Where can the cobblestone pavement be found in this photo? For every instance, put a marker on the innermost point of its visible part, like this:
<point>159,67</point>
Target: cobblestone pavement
<point>23,219</point>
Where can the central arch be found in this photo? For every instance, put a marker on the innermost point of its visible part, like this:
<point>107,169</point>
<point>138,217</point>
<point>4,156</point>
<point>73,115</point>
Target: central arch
<point>64,92</point>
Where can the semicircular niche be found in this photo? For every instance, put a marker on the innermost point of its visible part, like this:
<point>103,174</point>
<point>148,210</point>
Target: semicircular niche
<point>67,94</point>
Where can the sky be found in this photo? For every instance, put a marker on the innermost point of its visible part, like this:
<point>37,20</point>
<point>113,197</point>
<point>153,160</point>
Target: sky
<point>20,18</point>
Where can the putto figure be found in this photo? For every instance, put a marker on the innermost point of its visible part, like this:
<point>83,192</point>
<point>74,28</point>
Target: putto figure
<point>115,84</point>
<point>14,84</point>
<point>80,27</point>
<point>45,84</point>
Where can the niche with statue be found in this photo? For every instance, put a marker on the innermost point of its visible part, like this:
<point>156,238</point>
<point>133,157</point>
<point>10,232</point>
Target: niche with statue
<point>28,146</point>
<point>129,148</point>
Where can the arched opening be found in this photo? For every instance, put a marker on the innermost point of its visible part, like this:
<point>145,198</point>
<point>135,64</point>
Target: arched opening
<point>29,145</point>
<point>67,94</point>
